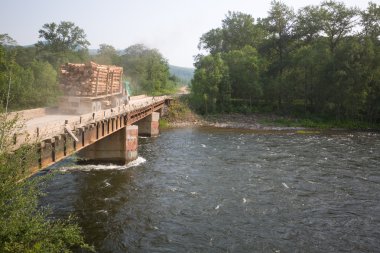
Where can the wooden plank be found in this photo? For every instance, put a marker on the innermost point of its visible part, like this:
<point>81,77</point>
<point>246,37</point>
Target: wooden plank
<point>97,80</point>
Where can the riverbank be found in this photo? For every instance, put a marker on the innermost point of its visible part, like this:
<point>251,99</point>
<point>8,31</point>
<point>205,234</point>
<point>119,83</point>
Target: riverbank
<point>180,115</point>
<point>233,120</point>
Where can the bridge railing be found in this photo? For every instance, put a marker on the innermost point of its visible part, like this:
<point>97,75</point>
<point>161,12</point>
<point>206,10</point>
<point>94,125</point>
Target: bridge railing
<point>53,128</point>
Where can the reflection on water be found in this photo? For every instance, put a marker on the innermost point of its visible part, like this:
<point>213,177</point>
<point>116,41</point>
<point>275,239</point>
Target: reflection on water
<point>215,190</point>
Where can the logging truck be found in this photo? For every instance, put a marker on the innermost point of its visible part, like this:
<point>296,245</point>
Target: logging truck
<point>91,87</point>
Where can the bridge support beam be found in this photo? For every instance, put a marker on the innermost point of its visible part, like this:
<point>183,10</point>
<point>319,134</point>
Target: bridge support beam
<point>119,147</point>
<point>148,126</point>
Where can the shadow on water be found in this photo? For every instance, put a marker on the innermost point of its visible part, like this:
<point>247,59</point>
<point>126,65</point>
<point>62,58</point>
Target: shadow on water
<point>223,190</point>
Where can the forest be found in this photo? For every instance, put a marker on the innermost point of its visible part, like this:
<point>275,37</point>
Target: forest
<point>321,61</point>
<point>29,75</point>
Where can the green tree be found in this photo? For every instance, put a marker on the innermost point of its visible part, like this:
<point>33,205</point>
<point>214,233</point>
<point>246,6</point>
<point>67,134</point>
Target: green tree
<point>107,55</point>
<point>63,37</point>
<point>244,73</point>
<point>337,21</point>
<point>5,39</point>
<point>211,89</point>
<point>62,42</point>
<point>25,82</point>
<point>280,25</point>
<point>8,67</point>
<point>212,41</point>
<point>308,24</point>
<point>305,66</point>
<point>45,79</point>
<point>370,20</point>
<point>25,56</point>
<point>238,30</point>
<point>147,68</point>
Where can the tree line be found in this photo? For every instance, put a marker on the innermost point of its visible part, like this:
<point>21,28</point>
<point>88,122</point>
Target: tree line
<point>29,74</point>
<point>322,60</point>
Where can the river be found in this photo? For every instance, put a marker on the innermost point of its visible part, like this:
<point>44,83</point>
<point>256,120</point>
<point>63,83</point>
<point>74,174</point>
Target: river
<point>220,190</point>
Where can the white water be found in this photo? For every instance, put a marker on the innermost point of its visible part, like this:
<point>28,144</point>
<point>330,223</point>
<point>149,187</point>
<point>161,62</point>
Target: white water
<point>90,167</point>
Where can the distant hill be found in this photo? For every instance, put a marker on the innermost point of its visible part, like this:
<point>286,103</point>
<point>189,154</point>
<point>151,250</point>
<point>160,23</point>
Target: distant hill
<point>185,74</point>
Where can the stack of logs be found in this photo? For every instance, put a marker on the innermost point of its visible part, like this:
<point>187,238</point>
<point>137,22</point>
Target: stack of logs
<point>90,79</point>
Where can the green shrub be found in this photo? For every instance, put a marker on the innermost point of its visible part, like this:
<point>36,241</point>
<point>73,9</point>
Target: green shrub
<point>24,226</point>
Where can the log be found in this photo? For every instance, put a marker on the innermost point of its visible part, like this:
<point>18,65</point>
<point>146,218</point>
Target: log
<point>90,79</point>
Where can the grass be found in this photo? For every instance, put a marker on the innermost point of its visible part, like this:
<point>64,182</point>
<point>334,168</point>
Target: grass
<point>164,123</point>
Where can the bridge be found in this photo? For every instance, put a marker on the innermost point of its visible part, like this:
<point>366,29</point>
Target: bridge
<point>105,136</point>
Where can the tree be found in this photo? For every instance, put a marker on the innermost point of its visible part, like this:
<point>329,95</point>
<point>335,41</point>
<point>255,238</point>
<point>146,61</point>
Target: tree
<point>212,41</point>
<point>63,37</point>
<point>211,89</point>
<point>157,72</point>
<point>7,66</point>
<point>5,39</point>
<point>238,30</point>
<point>62,43</point>
<point>370,20</point>
<point>337,21</point>
<point>137,50</point>
<point>24,81</point>
<point>244,73</point>
<point>132,62</point>
<point>305,76</point>
<point>280,25</point>
<point>45,84</point>
<point>107,55</point>
<point>308,25</point>
<point>147,69</point>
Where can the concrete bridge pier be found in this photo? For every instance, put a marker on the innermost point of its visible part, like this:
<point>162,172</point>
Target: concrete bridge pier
<point>149,126</point>
<point>119,147</point>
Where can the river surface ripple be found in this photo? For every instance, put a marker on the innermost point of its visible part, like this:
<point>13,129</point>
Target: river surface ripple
<point>218,190</point>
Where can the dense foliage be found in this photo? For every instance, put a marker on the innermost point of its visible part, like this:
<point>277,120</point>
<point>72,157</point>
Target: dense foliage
<point>323,60</point>
<point>24,227</point>
<point>148,70</point>
<point>31,82</point>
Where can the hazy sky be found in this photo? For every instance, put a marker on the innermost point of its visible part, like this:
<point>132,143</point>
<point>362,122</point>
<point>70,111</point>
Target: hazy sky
<point>172,26</point>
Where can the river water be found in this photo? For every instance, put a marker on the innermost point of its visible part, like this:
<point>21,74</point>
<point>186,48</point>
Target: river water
<point>219,190</point>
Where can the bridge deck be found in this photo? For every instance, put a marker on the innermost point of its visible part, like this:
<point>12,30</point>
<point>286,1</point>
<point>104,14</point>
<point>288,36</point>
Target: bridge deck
<point>47,126</point>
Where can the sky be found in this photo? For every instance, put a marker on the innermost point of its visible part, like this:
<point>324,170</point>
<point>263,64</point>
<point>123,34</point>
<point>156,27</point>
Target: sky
<point>171,26</point>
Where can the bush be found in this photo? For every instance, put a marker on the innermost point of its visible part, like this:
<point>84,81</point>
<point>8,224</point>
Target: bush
<point>24,227</point>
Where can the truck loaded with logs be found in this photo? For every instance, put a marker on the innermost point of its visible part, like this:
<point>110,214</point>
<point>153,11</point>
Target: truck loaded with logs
<point>91,87</point>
